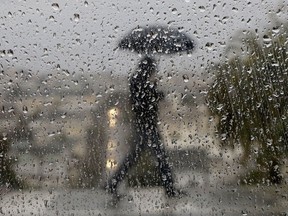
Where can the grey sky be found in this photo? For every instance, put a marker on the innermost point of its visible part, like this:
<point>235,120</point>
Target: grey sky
<point>43,36</point>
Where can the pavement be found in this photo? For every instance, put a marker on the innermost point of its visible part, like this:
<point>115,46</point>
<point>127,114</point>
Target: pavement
<point>208,200</point>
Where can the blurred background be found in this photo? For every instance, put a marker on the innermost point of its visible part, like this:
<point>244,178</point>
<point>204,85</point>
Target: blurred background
<point>66,120</point>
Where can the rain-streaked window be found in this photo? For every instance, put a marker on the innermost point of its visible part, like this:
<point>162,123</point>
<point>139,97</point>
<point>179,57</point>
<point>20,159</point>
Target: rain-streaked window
<point>143,108</point>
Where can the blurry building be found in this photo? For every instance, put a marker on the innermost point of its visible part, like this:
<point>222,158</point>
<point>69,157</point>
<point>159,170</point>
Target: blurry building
<point>79,136</point>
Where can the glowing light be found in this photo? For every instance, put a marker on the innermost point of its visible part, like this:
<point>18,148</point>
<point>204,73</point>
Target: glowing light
<point>111,163</point>
<point>111,145</point>
<point>112,115</point>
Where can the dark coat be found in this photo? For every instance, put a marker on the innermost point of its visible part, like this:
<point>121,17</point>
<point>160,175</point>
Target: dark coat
<point>144,94</point>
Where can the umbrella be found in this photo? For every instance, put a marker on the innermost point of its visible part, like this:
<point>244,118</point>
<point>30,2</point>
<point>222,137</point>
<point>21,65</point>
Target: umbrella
<point>156,39</point>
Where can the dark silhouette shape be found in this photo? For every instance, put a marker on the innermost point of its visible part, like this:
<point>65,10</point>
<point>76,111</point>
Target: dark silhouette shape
<point>156,40</point>
<point>145,97</point>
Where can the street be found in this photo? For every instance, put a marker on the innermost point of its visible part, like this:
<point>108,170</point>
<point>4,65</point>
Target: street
<point>220,200</point>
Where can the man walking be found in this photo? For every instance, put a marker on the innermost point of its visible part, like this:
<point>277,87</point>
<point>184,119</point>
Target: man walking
<point>145,99</point>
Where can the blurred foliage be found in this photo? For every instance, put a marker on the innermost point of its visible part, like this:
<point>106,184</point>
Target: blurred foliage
<point>7,174</point>
<point>249,97</point>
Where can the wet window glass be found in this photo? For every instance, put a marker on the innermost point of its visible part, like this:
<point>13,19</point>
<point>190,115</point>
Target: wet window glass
<point>143,107</point>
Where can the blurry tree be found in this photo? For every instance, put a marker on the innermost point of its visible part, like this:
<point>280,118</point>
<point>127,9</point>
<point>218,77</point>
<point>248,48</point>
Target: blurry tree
<point>14,124</point>
<point>7,174</point>
<point>249,95</point>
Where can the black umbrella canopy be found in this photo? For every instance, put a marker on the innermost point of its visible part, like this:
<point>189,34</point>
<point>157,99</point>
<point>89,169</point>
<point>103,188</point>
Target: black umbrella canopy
<point>156,39</point>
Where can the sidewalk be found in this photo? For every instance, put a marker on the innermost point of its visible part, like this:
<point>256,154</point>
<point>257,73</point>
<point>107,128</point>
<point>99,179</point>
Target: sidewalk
<point>211,201</point>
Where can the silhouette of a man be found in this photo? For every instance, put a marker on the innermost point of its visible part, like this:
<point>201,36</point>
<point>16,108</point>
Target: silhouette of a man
<point>145,98</point>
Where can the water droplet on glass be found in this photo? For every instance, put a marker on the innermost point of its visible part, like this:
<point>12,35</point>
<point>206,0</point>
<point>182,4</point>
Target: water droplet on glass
<point>209,45</point>
<point>10,82</point>
<point>276,30</point>
<point>269,142</point>
<point>2,53</point>
<point>11,109</point>
<point>130,199</point>
<point>63,115</point>
<point>76,17</point>
<point>86,3</point>
<point>51,18</point>
<point>46,203</point>
<point>116,28</point>
<point>185,78</point>
<point>51,134</point>
<point>266,39</point>
<point>10,53</point>
<point>202,8</point>
<point>223,136</point>
<point>25,109</point>
<point>4,137</point>
<point>174,10</point>
<point>220,107</point>
<point>55,6</point>
<point>66,72</point>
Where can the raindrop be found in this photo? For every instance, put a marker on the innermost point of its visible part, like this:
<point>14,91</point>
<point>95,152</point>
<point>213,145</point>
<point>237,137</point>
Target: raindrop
<point>4,136</point>
<point>76,17</point>
<point>244,213</point>
<point>51,18</point>
<point>116,28</point>
<point>267,39</point>
<point>225,18</point>
<point>25,109</point>
<point>209,45</point>
<point>130,199</point>
<point>223,136</point>
<point>220,107</point>
<point>66,72</point>
<point>202,8</point>
<point>174,10</point>
<point>185,78</point>
<point>2,53</point>
<point>86,3</point>
<point>269,142</point>
<point>275,64</point>
<point>10,82</point>
<point>51,134</point>
<point>10,53</point>
<point>276,30</point>
<point>55,6</point>
<point>63,115</point>
<point>46,203</point>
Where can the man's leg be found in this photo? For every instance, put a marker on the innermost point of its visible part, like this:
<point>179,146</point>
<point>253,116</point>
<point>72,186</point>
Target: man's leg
<point>163,165</point>
<point>122,170</point>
